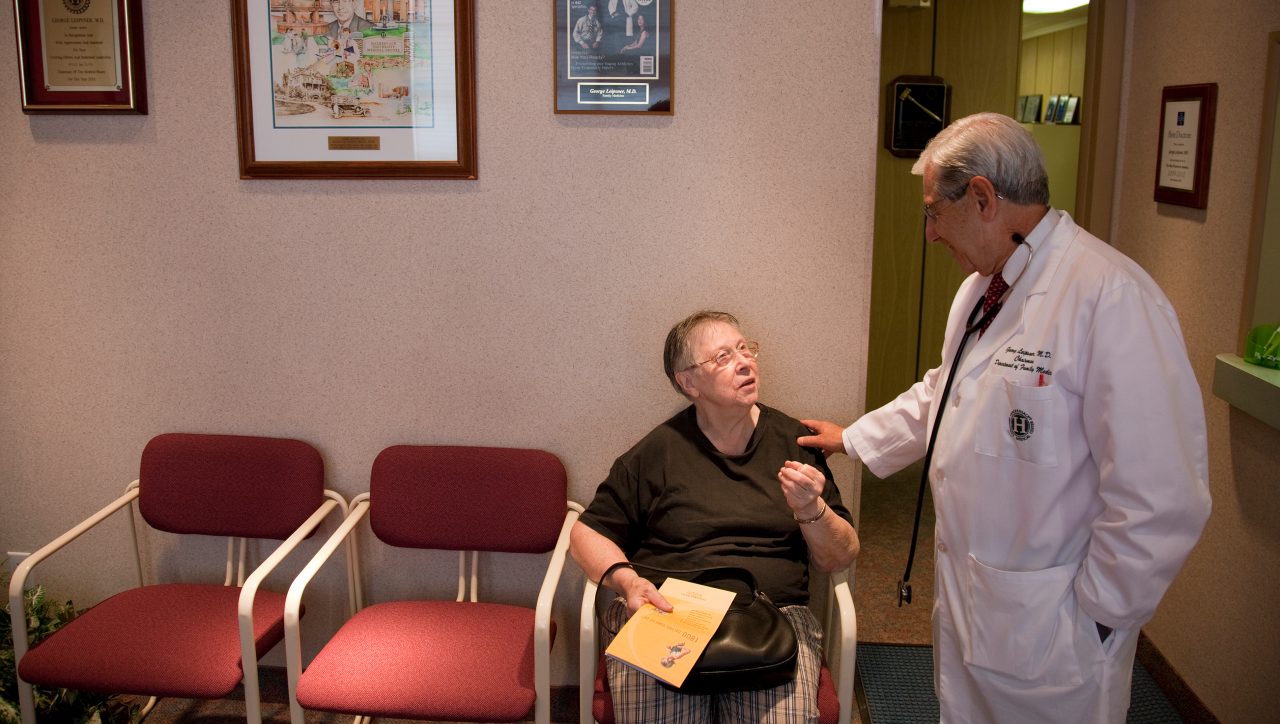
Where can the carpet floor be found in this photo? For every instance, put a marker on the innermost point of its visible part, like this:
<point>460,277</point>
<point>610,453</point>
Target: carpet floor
<point>896,685</point>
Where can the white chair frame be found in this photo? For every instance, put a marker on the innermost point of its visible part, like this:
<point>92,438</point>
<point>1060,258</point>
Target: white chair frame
<point>236,563</point>
<point>468,581</point>
<point>841,626</point>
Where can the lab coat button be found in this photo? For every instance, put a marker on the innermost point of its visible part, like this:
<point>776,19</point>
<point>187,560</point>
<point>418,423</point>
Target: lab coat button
<point>942,547</point>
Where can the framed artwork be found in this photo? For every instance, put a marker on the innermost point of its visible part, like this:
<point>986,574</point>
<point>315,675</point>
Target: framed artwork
<point>1186,144</point>
<point>355,88</point>
<point>614,56</point>
<point>80,56</point>
<point>921,107</point>
<point>1051,110</point>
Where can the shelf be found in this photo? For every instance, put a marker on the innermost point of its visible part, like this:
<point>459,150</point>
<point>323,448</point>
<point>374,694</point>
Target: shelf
<point>1254,389</point>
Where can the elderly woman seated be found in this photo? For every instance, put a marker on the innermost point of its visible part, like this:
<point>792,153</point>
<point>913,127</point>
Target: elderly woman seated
<point>722,483</point>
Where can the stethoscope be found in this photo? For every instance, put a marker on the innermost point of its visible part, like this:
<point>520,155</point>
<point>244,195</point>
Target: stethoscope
<point>971,326</point>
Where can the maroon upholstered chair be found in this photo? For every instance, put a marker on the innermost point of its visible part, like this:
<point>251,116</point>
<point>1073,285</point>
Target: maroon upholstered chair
<point>189,640</point>
<point>454,660</point>
<point>835,681</point>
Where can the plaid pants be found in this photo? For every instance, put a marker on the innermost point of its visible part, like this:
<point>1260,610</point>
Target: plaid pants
<point>638,697</point>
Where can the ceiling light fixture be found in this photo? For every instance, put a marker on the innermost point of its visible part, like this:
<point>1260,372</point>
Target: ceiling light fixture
<point>1051,6</point>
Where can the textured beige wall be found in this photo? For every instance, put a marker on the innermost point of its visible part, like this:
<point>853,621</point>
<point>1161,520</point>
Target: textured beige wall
<point>1218,625</point>
<point>145,288</point>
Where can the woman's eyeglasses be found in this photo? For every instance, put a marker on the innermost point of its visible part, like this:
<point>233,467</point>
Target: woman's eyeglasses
<point>749,350</point>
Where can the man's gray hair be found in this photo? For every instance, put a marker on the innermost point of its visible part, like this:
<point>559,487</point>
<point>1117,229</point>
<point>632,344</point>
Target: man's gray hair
<point>676,354</point>
<point>990,145</point>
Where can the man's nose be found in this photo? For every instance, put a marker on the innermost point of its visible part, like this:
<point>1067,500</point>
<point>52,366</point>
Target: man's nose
<point>930,229</point>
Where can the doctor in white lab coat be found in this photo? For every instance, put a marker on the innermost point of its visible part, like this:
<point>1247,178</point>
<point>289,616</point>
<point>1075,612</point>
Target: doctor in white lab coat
<point>1069,473</point>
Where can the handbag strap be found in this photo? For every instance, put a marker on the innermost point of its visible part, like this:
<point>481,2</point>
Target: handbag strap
<point>713,575</point>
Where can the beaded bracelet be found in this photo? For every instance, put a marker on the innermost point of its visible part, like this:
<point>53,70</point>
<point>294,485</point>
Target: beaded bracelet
<point>815,518</point>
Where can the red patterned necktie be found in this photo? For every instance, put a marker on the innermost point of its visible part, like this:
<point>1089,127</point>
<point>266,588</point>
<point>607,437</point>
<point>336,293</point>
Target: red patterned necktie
<point>997,287</point>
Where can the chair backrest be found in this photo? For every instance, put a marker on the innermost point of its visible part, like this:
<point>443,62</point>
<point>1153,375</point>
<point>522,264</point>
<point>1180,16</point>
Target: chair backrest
<point>229,485</point>
<point>468,498</point>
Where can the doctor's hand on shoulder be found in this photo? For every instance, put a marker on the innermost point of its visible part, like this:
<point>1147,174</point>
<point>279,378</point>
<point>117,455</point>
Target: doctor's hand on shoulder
<point>827,436</point>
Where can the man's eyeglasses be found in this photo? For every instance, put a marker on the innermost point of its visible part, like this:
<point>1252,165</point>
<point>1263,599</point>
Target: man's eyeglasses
<point>749,350</point>
<point>931,210</point>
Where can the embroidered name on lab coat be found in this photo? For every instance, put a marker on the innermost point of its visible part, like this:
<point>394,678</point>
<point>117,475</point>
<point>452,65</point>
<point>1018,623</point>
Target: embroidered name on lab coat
<point>1017,358</point>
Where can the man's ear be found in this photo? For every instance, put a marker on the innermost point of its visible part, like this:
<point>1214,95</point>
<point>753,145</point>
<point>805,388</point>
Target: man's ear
<point>984,194</point>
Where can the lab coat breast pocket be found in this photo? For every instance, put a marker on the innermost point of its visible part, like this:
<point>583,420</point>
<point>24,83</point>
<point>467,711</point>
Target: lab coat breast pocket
<point>1016,422</point>
<point>1022,623</point>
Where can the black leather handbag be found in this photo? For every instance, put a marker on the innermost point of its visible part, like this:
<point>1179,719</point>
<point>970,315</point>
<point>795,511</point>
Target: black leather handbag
<point>755,646</point>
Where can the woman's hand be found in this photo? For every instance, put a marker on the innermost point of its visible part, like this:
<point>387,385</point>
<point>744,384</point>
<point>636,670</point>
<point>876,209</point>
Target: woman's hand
<point>637,590</point>
<point>802,484</point>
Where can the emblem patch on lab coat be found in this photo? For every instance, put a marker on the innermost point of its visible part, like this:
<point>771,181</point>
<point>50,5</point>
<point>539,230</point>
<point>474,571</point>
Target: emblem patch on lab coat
<point>1021,425</point>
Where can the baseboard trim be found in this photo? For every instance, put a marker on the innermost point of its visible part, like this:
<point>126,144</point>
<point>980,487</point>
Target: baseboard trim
<point>1180,696</point>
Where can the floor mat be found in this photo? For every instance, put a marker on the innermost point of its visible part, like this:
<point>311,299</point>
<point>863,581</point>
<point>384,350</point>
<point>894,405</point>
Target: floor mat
<point>897,682</point>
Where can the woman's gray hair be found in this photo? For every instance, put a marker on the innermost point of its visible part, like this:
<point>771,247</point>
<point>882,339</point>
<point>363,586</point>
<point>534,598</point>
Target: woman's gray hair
<point>677,353</point>
<point>990,145</point>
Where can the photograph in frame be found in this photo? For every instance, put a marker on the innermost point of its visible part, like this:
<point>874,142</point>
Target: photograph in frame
<point>1071,114</point>
<point>355,88</point>
<point>80,56</point>
<point>1032,114</point>
<point>1051,110</point>
<point>613,56</point>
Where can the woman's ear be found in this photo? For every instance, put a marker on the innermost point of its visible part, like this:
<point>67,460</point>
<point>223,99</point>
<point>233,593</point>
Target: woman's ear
<point>684,378</point>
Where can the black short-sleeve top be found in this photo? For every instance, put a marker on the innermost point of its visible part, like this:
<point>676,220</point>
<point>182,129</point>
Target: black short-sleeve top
<point>674,501</point>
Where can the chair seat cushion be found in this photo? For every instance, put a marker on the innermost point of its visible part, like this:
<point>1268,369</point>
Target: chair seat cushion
<point>602,698</point>
<point>427,660</point>
<point>166,640</point>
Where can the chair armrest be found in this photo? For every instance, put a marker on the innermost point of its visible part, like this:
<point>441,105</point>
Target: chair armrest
<point>17,610</point>
<point>845,664</point>
<point>588,651</point>
<point>542,618</point>
<point>23,570</point>
<point>248,648</point>
<point>293,599</point>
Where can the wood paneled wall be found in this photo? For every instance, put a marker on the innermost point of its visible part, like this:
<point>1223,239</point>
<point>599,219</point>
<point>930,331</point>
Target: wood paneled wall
<point>1053,64</point>
<point>974,45</point>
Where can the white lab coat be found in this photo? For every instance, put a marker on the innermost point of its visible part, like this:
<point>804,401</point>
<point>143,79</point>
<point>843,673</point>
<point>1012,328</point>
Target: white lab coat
<point>1070,481</point>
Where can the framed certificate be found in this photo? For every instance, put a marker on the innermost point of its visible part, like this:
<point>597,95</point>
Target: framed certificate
<point>1186,144</point>
<point>355,89</point>
<point>614,56</point>
<point>80,56</point>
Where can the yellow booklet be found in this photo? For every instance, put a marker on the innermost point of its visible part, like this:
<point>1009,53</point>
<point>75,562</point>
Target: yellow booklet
<point>667,645</point>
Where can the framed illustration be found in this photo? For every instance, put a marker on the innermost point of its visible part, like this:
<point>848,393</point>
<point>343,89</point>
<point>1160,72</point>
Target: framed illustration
<point>614,56</point>
<point>1051,110</point>
<point>355,88</point>
<point>80,56</point>
<point>1186,144</point>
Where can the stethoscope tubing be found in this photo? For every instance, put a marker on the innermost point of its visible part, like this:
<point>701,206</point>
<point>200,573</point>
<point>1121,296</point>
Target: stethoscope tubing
<point>904,585</point>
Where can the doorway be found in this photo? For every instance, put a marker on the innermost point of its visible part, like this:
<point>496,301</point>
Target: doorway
<point>984,50</point>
